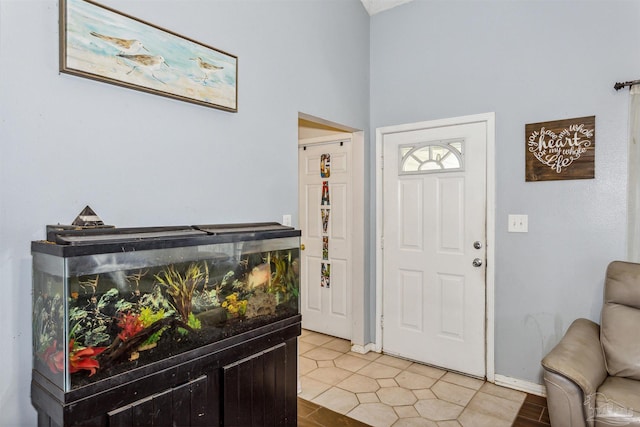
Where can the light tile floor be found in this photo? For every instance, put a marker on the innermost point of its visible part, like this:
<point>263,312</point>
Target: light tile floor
<point>384,391</point>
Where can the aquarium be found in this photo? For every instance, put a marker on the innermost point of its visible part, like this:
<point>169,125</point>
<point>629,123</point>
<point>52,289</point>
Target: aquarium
<point>110,301</point>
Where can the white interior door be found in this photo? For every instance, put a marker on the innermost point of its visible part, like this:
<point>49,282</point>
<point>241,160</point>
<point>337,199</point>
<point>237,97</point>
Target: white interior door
<point>325,194</point>
<point>434,234</point>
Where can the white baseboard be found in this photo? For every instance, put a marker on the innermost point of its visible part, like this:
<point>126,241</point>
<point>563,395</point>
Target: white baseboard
<point>363,349</point>
<point>521,385</point>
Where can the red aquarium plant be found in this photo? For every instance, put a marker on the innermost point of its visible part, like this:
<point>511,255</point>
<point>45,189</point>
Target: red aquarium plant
<point>53,357</point>
<point>80,358</point>
<point>83,358</point>
<point>130,325</point>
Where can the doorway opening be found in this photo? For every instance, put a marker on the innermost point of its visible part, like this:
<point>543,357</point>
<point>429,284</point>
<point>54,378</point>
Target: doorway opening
<point>331,219</point>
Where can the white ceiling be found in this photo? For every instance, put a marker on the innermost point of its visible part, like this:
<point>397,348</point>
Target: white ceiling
<point>376,6</point>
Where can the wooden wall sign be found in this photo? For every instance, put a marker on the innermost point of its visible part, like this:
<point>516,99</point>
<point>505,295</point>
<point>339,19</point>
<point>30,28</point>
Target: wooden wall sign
<point>561,149</point>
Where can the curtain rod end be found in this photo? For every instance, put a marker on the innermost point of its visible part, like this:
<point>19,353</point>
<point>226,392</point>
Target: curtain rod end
<point>619,86</point>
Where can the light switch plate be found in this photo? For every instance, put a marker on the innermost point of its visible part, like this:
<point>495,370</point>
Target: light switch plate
<point>286,220</point>
<point>518,223</point>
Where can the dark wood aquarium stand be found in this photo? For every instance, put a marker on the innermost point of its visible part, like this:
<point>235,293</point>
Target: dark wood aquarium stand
<point>246,380</point>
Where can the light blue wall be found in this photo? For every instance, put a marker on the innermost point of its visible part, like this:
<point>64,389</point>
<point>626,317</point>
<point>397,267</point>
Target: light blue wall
<point>140,159</point>
<point>527,61</point>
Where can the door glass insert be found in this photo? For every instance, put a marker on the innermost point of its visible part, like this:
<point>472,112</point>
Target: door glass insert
<point>432,156</point>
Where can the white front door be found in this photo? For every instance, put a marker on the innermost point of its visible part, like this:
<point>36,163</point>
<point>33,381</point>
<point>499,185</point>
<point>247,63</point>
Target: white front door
<point>325,222</point>
<point>434,240</point>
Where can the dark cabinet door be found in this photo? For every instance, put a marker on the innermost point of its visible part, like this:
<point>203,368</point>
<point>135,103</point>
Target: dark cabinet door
<point>260,391</point>
<point>185,405</point>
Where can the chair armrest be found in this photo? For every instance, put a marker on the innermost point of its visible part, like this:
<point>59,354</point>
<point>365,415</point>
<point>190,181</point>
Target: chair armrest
<point>565,402</point>
<point>578,356</point>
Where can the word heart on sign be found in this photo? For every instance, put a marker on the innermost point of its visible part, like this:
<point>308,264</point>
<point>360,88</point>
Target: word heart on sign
<point>562,149</point>
<point>559,151</point>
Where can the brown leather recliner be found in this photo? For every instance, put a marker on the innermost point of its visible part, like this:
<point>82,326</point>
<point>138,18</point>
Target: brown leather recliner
<point>593,374</point>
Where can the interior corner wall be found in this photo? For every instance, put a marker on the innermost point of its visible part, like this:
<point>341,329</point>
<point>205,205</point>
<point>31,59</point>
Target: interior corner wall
<point>527,61</point>
<point>139,159</point>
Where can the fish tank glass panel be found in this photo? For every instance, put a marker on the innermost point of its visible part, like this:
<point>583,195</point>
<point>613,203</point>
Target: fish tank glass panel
<point>101,314</point>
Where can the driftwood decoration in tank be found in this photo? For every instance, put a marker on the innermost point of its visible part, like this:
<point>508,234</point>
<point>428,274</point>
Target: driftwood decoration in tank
<point>560,149</point>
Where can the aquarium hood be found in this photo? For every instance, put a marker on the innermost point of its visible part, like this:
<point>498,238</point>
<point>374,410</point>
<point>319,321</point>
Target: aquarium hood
<point>62,241</point>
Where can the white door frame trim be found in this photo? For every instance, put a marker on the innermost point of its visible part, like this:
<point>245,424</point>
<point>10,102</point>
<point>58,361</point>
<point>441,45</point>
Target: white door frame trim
<point>357,229</point>
<point>489,119</point>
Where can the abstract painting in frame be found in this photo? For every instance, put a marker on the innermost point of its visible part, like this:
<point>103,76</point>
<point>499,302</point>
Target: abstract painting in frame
<point>101,43</point>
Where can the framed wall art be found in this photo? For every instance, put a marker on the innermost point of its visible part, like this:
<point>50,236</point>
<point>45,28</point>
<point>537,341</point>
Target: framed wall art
<point>560,149</point>
<point>103,44</point>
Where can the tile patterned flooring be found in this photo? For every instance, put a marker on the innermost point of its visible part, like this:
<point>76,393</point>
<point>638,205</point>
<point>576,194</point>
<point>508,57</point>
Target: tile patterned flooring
<point>380,390</point>
<point>533,413</point>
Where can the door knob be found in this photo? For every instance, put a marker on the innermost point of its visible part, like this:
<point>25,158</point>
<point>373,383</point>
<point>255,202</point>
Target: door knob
<point>477,245</point>
<point>477,262</point>
<point>302,247</point>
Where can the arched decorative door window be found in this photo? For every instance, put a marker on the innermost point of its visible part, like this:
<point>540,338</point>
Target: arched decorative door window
<point>432,156</point>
